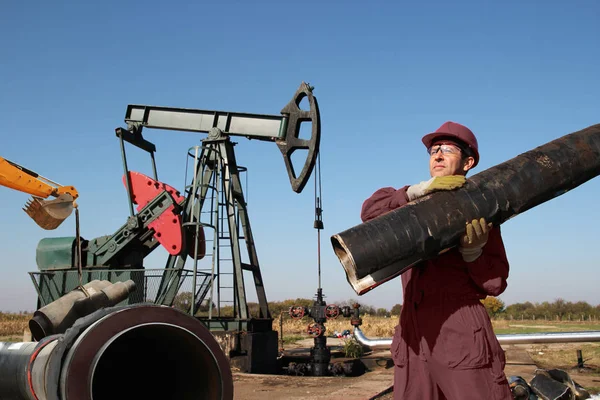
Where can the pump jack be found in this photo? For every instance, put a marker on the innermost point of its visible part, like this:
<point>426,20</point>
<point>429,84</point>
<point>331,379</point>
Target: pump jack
<point>165,217</point>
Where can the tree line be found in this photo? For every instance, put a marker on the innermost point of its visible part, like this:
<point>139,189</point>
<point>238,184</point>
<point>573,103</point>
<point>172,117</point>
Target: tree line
<point>559,309</point>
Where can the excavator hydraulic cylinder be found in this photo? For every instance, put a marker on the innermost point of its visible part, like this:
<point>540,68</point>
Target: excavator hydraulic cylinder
<point>156,352</point>
<point>378,250</point>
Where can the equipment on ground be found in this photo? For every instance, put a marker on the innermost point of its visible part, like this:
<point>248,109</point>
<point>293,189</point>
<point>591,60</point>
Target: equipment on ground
<point>132,343</point>
<point>378,250</point>
<point>163,216</point>
<point>48,214</point>
<point>550,384</point>
<point>320,354</point>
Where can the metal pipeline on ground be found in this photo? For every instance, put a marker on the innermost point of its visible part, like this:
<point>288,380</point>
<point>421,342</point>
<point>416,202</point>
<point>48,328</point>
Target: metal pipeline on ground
<point>155,351</point>
<point>378,250</point>
<point>506,339</point>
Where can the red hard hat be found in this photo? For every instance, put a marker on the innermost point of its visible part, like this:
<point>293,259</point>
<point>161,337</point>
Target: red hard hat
<point>450,130</point>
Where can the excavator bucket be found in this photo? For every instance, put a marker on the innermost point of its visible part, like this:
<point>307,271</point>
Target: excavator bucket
<point>49,214</point>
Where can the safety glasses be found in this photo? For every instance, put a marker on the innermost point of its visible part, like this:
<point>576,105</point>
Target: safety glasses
<point>444,148</point>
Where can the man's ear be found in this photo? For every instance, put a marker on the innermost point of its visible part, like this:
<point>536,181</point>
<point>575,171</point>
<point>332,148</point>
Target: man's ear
<point>468,163</point>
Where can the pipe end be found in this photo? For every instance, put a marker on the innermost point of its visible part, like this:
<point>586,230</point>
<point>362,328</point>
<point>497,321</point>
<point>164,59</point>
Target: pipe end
<point>40,326</point>
<point>345,257</point>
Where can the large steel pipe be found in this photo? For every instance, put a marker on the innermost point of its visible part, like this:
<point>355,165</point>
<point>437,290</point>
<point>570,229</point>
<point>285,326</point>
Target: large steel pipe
<point>378,250</point>
<point>133,352</point>
<point>525,338</point>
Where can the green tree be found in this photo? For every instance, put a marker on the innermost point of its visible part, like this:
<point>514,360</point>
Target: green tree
<point>396,309</point>
<point>277,307</point>
<point>559,308</point>
<point>382,312</point>
<point>493,305</point>
<point>364,308</point>
<point>582,309</point>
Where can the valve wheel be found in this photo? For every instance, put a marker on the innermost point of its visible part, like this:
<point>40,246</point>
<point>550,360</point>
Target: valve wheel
<point>315,330</point>
<point>332,311</point>
<point>297,312</point>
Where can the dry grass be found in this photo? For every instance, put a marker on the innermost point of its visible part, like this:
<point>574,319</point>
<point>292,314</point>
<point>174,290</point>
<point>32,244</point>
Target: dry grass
<point>13,324</point>
<point>374,326</point>
<point>564,355</point>
<point>371,325</point>
<point>556,355</point>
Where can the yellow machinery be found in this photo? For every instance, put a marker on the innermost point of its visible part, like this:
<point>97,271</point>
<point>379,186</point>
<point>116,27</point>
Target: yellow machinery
<point>48,214</point>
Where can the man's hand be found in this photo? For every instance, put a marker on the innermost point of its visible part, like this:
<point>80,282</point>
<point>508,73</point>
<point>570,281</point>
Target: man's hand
<point>434,184</point>
<point>475,237</point>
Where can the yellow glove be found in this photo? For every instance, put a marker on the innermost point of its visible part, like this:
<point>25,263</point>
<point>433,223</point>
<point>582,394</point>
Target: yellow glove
<point>434,184</point>
<point>476,236</point>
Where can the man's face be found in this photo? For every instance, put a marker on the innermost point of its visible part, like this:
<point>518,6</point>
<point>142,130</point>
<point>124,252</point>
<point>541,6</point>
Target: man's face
<point>446,159</point>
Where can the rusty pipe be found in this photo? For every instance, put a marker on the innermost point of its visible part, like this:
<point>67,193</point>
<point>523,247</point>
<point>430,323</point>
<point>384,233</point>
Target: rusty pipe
<point>506,339</point>
<point>378,250</point>
<point>156,351</point>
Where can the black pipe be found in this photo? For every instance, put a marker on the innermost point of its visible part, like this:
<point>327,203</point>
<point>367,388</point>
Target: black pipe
<point>382,248</point>
<point>139,351</point>
<point>14,358</point>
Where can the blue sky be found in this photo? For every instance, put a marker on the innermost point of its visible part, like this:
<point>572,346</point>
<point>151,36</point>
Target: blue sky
<point>518,73</point>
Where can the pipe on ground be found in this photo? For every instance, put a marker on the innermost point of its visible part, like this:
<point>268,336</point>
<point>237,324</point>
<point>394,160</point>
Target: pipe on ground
<point>506,339</point>
<point>378,250</point>
<point>133,352</point>
<point>59,315</point>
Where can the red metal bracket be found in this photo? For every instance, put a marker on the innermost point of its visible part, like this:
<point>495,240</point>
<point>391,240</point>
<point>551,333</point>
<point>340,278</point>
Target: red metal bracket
<point>167,227</point>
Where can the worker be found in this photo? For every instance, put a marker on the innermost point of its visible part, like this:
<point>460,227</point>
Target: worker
<point>444,346</point>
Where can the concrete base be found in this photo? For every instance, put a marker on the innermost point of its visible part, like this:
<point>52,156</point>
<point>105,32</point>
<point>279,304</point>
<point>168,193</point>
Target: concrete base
<point>251,352</point>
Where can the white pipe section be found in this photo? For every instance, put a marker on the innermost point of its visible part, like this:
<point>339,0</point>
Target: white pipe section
<point>526,338</point>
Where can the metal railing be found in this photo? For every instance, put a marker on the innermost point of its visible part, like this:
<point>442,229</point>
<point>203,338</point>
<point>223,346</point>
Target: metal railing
<point>52,284</point>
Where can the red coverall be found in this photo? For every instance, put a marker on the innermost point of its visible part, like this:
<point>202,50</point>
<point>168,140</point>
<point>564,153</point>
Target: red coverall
<point>444,346</point>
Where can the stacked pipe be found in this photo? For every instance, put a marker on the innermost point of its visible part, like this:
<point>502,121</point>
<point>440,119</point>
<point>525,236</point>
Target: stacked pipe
<point>141,351</point>
<point>378,250</point>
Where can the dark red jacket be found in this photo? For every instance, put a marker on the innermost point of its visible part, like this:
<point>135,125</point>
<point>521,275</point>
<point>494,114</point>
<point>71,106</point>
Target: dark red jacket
<point>441,308</point>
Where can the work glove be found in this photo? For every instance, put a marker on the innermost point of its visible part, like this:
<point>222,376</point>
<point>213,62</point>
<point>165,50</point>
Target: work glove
<point>436,183</point>
<point>475,237</point>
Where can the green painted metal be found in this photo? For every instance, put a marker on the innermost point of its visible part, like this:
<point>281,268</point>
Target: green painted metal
<point>110,250</point>
<point>55,253</point>
<point>237,324</point>
<point>53,284</point>
<point>216,167</point>
<point>217,324</point>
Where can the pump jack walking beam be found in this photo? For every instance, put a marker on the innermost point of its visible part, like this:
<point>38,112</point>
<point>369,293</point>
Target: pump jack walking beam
<point>282,129</point>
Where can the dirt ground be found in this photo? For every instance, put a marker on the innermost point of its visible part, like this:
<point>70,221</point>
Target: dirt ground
<point>376,383</point>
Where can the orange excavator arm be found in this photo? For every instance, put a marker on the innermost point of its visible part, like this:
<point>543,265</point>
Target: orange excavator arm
<point>48,214</point>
